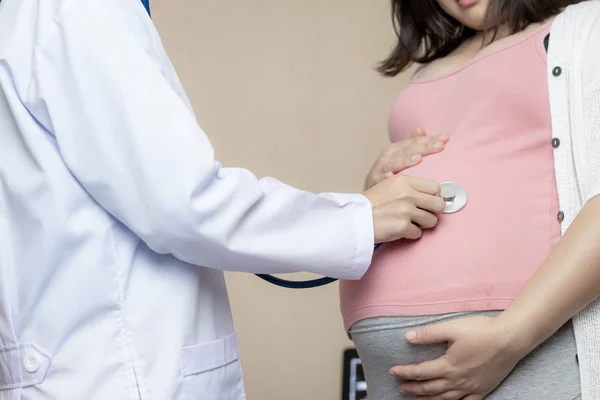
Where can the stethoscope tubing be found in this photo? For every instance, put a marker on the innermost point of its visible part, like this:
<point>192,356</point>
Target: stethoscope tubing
<point>456,199</point>
<point>310,284</point>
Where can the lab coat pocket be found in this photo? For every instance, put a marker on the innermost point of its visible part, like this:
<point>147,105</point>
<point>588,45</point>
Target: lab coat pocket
<point>212,371</point>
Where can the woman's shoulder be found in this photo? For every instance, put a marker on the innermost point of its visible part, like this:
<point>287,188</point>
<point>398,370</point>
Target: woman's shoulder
<point>585,13</point>
<point>580,27</point>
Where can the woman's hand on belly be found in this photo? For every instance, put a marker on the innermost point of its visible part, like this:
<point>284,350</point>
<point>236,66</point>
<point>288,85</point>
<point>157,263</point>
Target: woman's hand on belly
<point>404,154</point>
<point>478,359</point>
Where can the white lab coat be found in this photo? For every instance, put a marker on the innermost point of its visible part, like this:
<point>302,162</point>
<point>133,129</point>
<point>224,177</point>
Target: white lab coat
<point>116,221</point>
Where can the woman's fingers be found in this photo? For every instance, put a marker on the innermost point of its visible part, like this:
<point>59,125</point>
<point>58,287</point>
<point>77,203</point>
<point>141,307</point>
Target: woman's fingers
<point>474,397</point>
<point>418,132</point>
<point>426,388</point>
<point>410,151</point>
<point>428,370</point>
<point>404,154</point>
<point>423,145</point>
<point>398,161</point>
<point>450,395</point>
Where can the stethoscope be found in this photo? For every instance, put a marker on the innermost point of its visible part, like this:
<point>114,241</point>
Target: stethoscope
<point>146,4</point>
<point>453,194</point>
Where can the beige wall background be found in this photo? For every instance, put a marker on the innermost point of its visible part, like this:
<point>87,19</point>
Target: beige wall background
<point>287,89</point>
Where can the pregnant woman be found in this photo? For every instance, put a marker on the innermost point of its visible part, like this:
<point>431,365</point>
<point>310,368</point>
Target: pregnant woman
<point>515,86</point>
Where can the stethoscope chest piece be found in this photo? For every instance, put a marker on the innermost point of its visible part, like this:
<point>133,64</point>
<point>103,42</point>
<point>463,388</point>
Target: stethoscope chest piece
<point>455,197</point>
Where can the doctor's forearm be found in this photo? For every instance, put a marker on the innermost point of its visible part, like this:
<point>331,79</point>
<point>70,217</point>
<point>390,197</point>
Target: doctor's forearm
<point>566,283</point>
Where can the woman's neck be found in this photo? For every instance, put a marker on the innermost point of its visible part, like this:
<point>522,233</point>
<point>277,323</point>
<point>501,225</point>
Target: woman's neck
<point>491,36</point>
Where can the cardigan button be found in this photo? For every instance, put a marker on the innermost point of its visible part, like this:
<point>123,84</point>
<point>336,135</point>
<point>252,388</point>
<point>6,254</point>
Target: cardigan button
<point>556,143</point>
<point>557,71</point>
<point>560,216</point>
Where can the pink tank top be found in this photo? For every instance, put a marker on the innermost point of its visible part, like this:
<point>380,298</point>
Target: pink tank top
<point>496,112</point>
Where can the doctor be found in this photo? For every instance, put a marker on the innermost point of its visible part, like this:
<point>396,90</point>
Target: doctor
<point>116,221</point>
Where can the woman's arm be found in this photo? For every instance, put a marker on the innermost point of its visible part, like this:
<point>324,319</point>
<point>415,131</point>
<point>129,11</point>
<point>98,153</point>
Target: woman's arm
<point>483,351</point>
<point>565,284</point>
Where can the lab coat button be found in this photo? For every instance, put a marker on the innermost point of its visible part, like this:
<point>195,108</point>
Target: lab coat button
<point>556,143</point>
<point>31,362</point>
<point>561,216</point>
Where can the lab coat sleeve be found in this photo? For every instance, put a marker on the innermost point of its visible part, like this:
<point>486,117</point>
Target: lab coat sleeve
<point>132,142</point>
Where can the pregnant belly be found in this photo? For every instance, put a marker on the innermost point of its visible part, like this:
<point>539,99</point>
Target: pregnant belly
<point>476,259</point>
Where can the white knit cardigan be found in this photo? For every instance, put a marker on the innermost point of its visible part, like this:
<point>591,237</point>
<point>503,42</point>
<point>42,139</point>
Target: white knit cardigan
<point>574,84</point>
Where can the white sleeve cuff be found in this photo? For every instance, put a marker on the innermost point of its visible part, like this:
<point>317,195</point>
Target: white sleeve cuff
<point>365,239</point>
<point>363,231</point>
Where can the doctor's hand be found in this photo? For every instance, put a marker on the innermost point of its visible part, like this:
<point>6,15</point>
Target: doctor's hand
<point>480,356</point>
<point>404,154</point>
<point>403,206</point>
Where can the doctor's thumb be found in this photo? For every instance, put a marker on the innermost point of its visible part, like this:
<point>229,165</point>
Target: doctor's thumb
<point>433,334</point>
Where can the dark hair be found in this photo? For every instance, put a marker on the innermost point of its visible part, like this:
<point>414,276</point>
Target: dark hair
<point>426,32</point>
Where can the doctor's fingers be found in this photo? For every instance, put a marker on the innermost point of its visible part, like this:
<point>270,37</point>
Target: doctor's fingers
<point>426,186</point>
<point>428,202</point>
<point>410,231</point>
<point>424,219</point>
